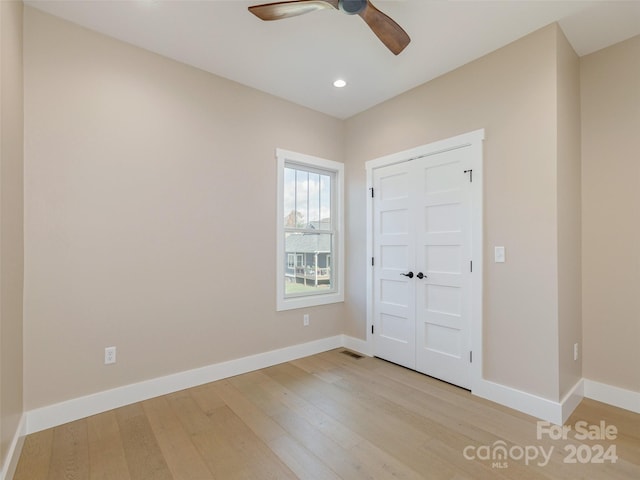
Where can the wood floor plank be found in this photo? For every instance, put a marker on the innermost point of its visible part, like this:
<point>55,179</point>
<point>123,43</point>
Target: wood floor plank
<point>320,434</point>
<point>252,386</point>
<point>283,401</point>
<point>144,457</point>
<point>389,434</point>
<point>206,397</point>
<point>227,445</point>
<point>626,443</point>
<point>70,452</point>
<point>193,418</point>
<point>107,459</point>
<point>180,454</point>
<point>361,461</point>
<point>259,422</point>
<point>35,457</point>
<point>353,416</point>
<point>362,457</point>
<point>449,435</point>
<point>236,452</point>
<point>495,419</point>
<point>299,459</point>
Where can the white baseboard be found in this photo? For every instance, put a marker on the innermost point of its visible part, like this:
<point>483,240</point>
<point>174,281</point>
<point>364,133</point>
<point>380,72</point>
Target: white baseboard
<point>77,408</point>
<point>539,407</point>
<point>572,399</point>
<point>528,403</point>
<point>357,345</point>
<point>616,396</point>
<point>13,454</point>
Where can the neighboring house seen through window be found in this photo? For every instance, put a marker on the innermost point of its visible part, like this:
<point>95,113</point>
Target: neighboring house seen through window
<point>310,245</point>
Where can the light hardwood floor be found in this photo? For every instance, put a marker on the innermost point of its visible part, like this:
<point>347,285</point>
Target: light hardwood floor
<point>325,417</point>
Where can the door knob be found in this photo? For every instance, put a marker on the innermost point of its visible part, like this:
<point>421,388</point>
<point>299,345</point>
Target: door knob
<point>421,275</point>
<point>410,274</point>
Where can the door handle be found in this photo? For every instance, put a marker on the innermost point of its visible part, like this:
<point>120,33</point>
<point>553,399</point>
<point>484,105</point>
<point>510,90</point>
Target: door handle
<point>421,275</point>
<point>410,274</point>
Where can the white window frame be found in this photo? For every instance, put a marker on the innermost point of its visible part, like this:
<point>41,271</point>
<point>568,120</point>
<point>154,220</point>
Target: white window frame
<point>286,158</point>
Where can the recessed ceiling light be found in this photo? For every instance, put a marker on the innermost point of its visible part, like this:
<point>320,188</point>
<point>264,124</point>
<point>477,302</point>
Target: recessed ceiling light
<point>339,83</point>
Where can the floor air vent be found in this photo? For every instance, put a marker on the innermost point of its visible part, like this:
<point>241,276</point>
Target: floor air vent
<point>351,354</point>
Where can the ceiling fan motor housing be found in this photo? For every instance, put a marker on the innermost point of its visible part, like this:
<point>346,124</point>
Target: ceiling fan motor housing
<point>352,7</point>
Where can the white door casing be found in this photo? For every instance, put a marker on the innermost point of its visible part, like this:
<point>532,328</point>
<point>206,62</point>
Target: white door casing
<point>426,217</point>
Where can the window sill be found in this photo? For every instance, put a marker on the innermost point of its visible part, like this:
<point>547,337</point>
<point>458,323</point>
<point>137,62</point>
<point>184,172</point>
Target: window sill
<point>310,301</point>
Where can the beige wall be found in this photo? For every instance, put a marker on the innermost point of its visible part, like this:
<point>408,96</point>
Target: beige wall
<point>569,217</point>
<point>512,94</point>
<point>150,194</point>
<point>611,209</point>
<point>11,208</point>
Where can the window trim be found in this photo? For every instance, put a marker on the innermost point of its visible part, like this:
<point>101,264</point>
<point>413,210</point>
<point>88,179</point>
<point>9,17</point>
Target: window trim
<point>285,158</point>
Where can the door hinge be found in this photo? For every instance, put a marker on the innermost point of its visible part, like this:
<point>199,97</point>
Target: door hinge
<point>371,329</point>
<point>372,261</point>
<point>372,194</point>
<point>470,172</point>
<point>471,356</point>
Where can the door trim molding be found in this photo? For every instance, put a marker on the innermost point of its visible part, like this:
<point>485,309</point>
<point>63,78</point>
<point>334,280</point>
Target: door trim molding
<point>474,140</point>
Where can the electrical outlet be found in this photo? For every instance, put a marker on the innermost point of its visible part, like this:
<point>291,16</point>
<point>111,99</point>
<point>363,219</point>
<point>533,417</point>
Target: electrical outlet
<point>575,351</point>
<point>305,320</point>
<point>109,355</point>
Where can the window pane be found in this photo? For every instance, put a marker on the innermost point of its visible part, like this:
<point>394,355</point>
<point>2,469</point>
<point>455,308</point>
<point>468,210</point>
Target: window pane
<point>314,200</point>
<point>312,272</point>
<point>307,199</point>
<point>290,197</point>
<point>302,198</point>
<point>325,201</point>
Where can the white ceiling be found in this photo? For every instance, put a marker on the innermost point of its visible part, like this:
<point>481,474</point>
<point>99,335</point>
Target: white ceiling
<point>298,58</point>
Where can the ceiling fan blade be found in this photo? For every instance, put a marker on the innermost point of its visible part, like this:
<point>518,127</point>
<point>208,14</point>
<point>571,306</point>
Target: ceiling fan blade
<point>278,10</point>
<point>388,31</point>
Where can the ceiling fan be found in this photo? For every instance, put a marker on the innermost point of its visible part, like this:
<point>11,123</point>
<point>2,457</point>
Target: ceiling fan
<point>388,31</point>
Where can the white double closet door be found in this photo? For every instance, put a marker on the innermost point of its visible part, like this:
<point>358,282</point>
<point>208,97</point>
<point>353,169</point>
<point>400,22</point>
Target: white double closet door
<point>422,264</point>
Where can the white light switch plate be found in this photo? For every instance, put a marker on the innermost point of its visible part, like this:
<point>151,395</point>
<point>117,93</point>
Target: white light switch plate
<point>499,255</point>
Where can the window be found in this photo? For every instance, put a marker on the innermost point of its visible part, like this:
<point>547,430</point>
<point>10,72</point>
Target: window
<point>310,224</point>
